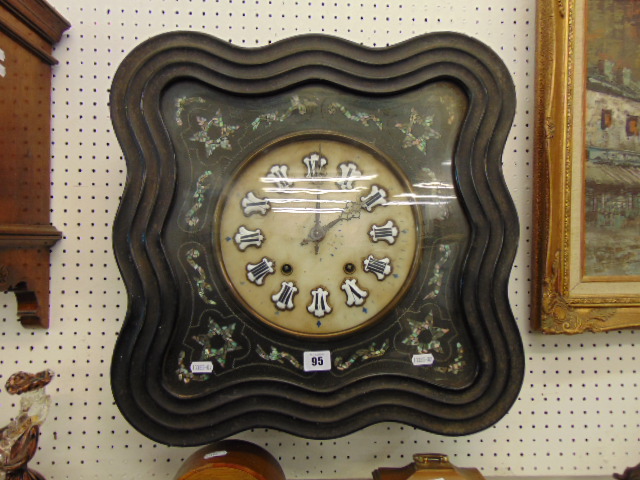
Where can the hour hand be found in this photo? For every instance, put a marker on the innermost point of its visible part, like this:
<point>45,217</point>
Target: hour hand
<point>318,232</point>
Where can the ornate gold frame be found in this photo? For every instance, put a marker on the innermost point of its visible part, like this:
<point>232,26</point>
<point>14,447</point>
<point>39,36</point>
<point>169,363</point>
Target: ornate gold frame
<point>563,302</point>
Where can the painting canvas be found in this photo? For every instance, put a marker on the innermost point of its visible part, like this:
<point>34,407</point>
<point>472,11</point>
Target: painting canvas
<point>612,139</point>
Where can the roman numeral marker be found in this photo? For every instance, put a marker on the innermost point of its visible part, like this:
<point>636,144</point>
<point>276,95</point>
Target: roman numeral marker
<point>387,232</point>
<point>248,238</point>
<point>377,196</point>
<point>258,271</point>
<point>284,298</point>
<point>380,267</point>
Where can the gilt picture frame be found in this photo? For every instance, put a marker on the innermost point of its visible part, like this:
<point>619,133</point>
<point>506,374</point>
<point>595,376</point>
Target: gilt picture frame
<point>587,161</point>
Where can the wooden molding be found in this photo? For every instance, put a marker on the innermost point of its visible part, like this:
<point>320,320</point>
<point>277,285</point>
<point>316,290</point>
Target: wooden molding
<point>21,236</point>
<point>40,17</point>
<point>33,25</point>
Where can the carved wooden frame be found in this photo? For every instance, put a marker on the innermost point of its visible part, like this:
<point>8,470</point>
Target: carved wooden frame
<point>145,384</point>
<point>562,301</point>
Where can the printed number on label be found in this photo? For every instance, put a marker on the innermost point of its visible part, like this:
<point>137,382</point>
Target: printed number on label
<point>201,367</point>
<point>317,361</point>
<point>422,359</point>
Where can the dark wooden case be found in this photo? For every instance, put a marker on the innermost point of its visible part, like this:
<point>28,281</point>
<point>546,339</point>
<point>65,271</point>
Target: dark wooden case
<point>180,310</point>
<point>28,31</point>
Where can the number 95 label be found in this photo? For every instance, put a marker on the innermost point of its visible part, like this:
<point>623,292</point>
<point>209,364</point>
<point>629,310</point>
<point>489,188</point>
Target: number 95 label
<point>317,361</point>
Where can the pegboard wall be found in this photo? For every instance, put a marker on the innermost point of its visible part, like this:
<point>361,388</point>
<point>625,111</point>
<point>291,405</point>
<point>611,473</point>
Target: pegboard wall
<point>578,414</point>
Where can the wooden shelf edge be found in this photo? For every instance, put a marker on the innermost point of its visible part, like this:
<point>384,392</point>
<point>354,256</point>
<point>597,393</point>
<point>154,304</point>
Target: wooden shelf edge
<point>40,17</point>
<point>28,236</point>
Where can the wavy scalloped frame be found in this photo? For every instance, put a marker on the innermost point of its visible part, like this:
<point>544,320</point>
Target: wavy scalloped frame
<point>275,403</point>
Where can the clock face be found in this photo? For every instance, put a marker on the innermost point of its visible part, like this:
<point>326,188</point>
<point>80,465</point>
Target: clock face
<point>318,235</point>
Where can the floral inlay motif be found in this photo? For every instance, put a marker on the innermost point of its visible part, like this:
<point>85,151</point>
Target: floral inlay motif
<point>202,284</point>
<point>361,117</point>
<point>362,354</point>
<point>218,333</point>
<point>185,374</point>
<point>418,131</point>
<point>223,336</point>
<point>438,272</point>
<point>182,102</point>
<point>202,185</point>
<point>223,132</point>
<point>458,362</point>
<point>297,106</point>
<point>276,355</point>
<point>426,338</point>
<point>425,343</point>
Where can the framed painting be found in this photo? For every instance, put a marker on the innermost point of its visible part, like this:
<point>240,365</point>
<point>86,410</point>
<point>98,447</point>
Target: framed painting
<point>587,170</point>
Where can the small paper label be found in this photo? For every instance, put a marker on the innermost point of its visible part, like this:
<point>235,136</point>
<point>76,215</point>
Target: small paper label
<point>217,453</point>
<point>3,69</point>
<point>201,367</point>
<point>317,361</point>
<point>422,359</point>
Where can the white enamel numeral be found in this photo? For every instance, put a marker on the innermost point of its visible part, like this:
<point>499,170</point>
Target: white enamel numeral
<point>319,304</point>
<point>348,172</point>
<point>314,163</point>
<point>278,175</point>
<point>284,298</point>
<point>387,232</point>
<point>246,238</point>
<point>252,204</point>
<point>258,271</point>
<point>380,267</point>
<point>377,196</point>
<point>355,295</point>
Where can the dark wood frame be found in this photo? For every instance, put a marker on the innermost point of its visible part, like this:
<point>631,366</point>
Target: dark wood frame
<point>297,404</point>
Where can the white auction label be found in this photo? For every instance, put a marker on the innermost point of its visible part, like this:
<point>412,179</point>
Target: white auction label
<point>317,361</point>
<point>422,359</point>
<point>201,367</point>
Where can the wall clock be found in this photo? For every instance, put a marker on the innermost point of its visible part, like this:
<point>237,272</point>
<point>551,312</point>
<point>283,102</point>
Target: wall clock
<point>315,236</point>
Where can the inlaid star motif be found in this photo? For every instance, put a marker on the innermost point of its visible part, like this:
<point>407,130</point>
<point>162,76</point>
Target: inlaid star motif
<point>211,144</point>
<point>417,328</point>
<point>225,333</point>
<point>418,131</point>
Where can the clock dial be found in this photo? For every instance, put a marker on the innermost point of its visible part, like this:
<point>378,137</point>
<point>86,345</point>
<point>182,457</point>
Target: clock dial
<point>337,239</point>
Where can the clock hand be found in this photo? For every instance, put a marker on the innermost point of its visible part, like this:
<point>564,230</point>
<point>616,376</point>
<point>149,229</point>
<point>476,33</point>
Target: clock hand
<point>317,228</point>
<point>317,220</point>
<point>318,232</point>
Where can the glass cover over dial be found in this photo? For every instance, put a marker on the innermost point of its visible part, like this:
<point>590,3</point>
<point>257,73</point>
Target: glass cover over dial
<point>318,235</point>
